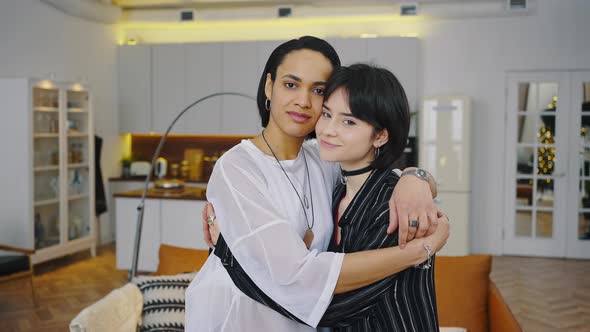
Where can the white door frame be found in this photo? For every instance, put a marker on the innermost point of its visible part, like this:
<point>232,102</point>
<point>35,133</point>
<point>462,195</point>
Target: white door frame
<point>575,248</point>
<point>530,246</point>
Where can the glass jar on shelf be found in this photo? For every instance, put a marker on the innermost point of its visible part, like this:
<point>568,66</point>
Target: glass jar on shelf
<point>79,154</point>
<point>54,186</point>
<point>54,125</point>
<point>184,170</point>
<point>174,171</point>
<point>76,183</point>
<point>54,157</point>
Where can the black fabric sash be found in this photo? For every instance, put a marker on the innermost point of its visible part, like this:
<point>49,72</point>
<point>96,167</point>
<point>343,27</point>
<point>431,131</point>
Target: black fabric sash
<point>243,281</point>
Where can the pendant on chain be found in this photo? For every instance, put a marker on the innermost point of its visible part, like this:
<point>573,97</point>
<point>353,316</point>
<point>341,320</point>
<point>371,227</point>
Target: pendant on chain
<point>308,238</point>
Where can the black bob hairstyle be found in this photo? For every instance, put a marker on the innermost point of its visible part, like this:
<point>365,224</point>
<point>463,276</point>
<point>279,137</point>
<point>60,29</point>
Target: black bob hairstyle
<point>278,55</point>
<point>377,97</point>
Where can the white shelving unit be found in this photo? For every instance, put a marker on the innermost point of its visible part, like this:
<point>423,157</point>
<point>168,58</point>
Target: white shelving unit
<point>48,194</point>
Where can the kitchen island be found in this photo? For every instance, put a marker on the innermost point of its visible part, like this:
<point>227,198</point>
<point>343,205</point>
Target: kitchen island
<point>169,218</point>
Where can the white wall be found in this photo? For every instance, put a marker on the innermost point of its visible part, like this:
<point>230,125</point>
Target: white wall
<point>471,57</point>
<point>36,39</point>
<point>467,56</point>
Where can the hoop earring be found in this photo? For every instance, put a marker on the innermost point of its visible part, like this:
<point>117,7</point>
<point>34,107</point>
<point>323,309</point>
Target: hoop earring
<point>377,152</point>
<point>267,104</point>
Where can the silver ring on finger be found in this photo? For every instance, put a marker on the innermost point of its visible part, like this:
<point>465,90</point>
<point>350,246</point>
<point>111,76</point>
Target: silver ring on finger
<point>414,223</point>
<point>211,220</point>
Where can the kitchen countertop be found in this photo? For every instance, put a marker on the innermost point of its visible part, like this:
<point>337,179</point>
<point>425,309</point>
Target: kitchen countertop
<point>141,178</point>
<point>190,193</point>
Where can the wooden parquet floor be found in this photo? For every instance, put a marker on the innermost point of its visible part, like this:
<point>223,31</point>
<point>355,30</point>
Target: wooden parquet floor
<point>544,294</point>
<point>63,288</point>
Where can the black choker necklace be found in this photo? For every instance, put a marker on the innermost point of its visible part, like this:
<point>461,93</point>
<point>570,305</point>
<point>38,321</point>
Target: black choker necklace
<point>356,171</point>
<point>344,173</point>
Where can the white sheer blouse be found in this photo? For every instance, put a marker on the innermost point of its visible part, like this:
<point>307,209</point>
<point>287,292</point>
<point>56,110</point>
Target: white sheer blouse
<point>262,221</point>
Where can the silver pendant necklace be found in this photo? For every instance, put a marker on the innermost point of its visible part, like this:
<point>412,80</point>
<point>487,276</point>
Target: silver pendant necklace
<point>305,183</point>
<point>304,202</point>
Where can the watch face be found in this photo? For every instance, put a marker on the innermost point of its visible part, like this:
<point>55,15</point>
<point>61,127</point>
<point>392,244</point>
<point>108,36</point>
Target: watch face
<point>421,173</point>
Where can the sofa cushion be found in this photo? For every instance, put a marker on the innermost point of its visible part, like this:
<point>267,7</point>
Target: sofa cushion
<point>452,329</point>
<point>462,285</point>
<point>121,308</point>
<point>174,260</point>
<point>163,301</point>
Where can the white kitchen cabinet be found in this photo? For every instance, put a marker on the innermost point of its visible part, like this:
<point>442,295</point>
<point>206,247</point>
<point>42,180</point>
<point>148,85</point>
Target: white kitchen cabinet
<point>111,188</point>
<point>240,74</point>
<point>350,50</point>
<point>168,85</point>
<point>48,186</point>
<point>126,216</point>
<point>166,221</point>
<point>203,77</point>
<point>156,82</point>
<point>263,51</point>
<point>181,223</point>
<point>135,89</point>
<point>400,56</point>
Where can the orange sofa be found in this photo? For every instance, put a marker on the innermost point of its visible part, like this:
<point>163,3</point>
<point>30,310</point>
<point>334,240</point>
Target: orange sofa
<point>466,297</point>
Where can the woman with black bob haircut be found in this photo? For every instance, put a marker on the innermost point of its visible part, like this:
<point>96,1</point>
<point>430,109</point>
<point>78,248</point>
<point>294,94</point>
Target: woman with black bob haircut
<point>272,196</point>
<point>376,97</point>
<point>364,126</point>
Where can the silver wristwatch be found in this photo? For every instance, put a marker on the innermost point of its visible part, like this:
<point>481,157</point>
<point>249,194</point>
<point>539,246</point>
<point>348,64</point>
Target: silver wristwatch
<point>418,172</point>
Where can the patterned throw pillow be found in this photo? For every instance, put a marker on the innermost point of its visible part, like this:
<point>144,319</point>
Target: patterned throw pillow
<point>163,301</point>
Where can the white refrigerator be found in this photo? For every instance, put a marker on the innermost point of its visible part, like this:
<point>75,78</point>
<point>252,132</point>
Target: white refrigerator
<point>444,150</point>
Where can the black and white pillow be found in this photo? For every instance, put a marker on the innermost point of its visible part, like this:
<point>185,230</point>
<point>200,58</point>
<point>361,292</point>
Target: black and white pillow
<point>163,301</point>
